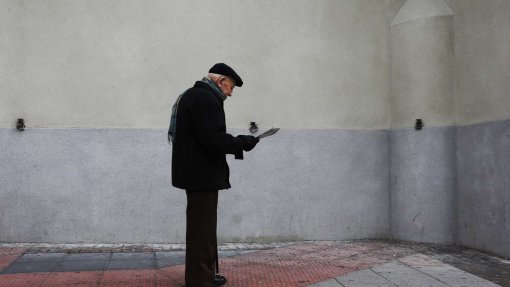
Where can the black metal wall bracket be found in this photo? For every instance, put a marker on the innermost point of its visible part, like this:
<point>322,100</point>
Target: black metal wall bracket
<point>253,127</point>
<point>419,124</point>
<point>20,125</point>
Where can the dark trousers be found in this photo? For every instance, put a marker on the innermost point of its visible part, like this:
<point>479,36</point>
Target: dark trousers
<point>201,242</point>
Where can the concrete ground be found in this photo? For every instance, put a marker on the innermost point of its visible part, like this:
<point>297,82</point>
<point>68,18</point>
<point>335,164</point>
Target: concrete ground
<point>311,263</point>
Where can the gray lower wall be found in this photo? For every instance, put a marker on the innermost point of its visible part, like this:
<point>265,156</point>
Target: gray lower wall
<point>113,185</point>
<point>422,189</point>
<point>483,160</point>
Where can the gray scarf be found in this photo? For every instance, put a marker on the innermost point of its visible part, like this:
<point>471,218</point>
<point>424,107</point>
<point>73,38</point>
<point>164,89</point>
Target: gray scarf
<point>215,88</point>
<point>173,119</point>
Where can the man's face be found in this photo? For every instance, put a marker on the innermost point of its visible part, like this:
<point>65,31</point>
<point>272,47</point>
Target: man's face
<point>227,85</point>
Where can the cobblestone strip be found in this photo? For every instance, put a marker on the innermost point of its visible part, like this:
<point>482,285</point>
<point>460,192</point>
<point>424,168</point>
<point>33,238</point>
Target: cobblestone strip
<point>129,247</point>
<point>152,247</point>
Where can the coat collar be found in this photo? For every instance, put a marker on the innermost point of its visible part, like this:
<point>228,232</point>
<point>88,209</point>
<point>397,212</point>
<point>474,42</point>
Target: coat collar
<point>208,84</point>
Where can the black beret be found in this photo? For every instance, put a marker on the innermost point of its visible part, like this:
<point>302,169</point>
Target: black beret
<point>223,69</point>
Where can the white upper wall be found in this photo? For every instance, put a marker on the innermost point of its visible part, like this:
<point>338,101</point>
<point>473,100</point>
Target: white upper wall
<point>423,72</point>
<point>418,9</point>
<point>305,64</point>
<point>482,65</point>
<point>422,64</point>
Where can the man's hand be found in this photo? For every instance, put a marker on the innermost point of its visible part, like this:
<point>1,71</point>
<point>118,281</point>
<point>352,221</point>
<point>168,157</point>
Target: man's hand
<point>249,142</point>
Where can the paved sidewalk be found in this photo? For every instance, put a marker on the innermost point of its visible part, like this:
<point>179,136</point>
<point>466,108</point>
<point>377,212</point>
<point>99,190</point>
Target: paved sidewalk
<point>414,270</point>
<point>312,263</point>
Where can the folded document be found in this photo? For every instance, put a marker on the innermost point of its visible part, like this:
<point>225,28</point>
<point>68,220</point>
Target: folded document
<point>267,133</point>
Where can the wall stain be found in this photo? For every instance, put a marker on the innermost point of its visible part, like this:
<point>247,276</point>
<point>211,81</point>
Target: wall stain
<point>237,218</point>
<point>416,216</point>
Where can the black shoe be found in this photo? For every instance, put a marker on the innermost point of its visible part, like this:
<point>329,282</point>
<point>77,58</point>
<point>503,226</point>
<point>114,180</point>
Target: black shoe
<point>219,280</point>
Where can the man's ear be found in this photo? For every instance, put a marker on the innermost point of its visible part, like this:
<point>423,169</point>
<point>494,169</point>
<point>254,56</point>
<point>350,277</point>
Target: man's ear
<point>221,79</point>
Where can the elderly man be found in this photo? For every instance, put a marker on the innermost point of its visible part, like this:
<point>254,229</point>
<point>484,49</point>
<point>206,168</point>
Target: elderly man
<point>200,144</point>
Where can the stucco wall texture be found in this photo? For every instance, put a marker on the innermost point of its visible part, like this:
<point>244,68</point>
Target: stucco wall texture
<point>483,160</point>
<point>482,92</point>
<point>448,70</point>
<point>346,80</point>
<point>73,63</point>
<point>422,72</point>
<point>113,185</point>
<point>422,190</point>
<point>482,52</point>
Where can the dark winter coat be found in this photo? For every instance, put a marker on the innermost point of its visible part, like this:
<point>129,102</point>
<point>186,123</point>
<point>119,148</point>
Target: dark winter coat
<point>201,141</point>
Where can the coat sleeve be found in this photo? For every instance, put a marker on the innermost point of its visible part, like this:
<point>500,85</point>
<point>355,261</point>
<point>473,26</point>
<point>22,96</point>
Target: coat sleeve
<point>208,120</point>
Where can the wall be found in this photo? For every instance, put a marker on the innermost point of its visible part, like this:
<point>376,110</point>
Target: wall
<point>482,87</point>
<point>482,41</point>
<point>113,185</point>
<point>121,64</point>
<point>95,80</point>
<point>450,181</point>
<point>423,169</point>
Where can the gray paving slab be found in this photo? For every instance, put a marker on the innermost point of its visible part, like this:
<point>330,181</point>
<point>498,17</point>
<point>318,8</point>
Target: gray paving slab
<point>166,254</point>
<point>167,259</point>
<point>28,267</point>
<point>167,262</point>
<point>446,273</point>
<point>44,257</point>
<point>492,268</point>
<point>133,256</point>
<point>329,283</point>
<point>456,278</point>
<point>131,264</point>
<point>405,276</point>
<point>246,251</point>
<point>364,278</point>
<point>228,253</point>
<point>80,265</point>
<point>88,256</point>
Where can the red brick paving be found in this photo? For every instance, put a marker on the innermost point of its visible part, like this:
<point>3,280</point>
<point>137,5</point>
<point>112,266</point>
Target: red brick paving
<point>129,278</point>
<point>296,265</point>
<point>172,276</point>
<point>303,264</point>
<point>23,280</point>
<point>82,278</point>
